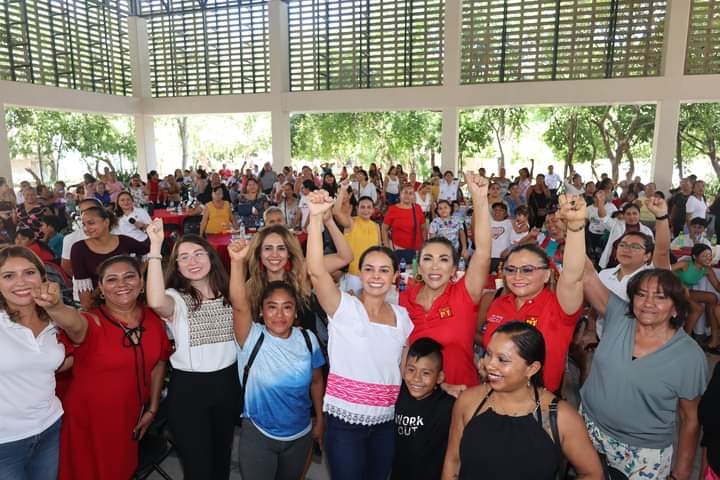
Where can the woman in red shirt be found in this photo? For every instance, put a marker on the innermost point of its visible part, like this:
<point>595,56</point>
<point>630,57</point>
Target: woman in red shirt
<point>527,271</point>
<point>408,232</point>
<point>447,311</point>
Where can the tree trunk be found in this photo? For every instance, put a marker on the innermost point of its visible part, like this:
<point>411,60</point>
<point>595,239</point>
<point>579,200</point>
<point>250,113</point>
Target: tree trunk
<point>679,155</point>
<point>712,153</point>
<point>184,140</point>
<point>432,158</point>
<point>631,161</point>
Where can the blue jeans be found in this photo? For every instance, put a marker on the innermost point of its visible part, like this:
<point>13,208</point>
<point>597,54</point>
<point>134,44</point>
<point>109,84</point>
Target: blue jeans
<point>32,458</point>
<point>359,452</point>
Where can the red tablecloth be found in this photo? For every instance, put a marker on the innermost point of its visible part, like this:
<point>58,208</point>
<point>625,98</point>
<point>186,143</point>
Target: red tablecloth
<point>220,242</point>
<point>171,217</point>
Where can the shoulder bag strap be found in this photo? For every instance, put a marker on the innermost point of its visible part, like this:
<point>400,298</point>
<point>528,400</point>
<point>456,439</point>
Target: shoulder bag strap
<point>246,370</point>
<point>414,235</point>
<point>553,413</point>
<point>306,336</point>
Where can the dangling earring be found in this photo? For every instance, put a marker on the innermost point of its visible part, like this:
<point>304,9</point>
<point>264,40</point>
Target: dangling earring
<point>529,384</point>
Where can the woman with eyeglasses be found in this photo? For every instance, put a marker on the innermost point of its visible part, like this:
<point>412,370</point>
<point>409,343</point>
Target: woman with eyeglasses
<point>630,223</point>
<point>118,374</point>
<point>691,272</point>
<point>635,253</point>
<point>527,271</point>
<point>641,397</point>
<point>446,310</point>
<point>204,389</point>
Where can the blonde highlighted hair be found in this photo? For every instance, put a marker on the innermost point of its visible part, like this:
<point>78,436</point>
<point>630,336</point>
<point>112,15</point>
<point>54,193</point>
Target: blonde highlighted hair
<point>297,276</point>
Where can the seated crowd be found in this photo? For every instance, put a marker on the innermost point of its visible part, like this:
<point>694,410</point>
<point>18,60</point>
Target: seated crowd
<point>407,329</point>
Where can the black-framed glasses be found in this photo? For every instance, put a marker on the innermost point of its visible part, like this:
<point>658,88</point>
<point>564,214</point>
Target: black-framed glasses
<point>524,269</point>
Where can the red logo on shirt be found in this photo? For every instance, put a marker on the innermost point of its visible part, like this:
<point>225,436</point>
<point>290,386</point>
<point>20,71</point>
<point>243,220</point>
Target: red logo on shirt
<point>445,312</point>
<point>532,320</point>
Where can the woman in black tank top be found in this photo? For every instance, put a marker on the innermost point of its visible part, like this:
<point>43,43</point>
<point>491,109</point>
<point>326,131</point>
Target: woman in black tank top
<point>511,428</point>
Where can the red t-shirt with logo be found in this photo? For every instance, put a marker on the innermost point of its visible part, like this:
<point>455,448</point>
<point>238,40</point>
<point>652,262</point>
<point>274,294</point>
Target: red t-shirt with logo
<point>545,313</point>
<point>451,321</point>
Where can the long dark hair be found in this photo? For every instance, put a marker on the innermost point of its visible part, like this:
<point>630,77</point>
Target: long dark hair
<point>217,277</point>
<point>530,345</point>
<point>16,251</point>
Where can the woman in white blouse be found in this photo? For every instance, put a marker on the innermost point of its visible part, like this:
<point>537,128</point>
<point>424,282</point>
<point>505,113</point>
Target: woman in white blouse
<point>30,354</point>
<point>365,188</point>
<point>392,187</point>
<point>367,339</point>
<point>423,197</point>
<point>132,221</point>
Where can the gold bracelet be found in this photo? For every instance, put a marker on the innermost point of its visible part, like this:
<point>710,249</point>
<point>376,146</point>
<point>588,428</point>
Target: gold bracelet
<point>154,257</point>
<point>575,230</point>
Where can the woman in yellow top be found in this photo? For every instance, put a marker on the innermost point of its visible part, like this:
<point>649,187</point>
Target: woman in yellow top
<point>360,231</point>
<point>217,216</point>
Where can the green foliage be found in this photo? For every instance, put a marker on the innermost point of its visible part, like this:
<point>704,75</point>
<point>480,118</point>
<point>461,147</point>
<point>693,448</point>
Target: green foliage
<point>480,128</point>
<point>408,138</point>
<point>570,134</point>
<point>700,130</point>
<point>50,136</point>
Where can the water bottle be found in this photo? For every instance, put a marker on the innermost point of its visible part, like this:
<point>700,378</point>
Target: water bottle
<point>460,269</point>
<point>414,267</point>
<point>403,265</point>
<point>401,284</point>
<point>681,239</point>
<point>241,229</point>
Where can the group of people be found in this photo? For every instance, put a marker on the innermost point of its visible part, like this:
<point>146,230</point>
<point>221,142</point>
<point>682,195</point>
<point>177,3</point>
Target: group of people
<point>421,330</point>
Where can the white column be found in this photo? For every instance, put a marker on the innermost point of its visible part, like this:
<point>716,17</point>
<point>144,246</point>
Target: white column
<point>145,140</point>
<point>667,115</point>
<point>451,79</point>
<point>450,128</point>
<point>5,166</point>
<point>279,82</point>
<point>453,28</point>
<point>140,67</point>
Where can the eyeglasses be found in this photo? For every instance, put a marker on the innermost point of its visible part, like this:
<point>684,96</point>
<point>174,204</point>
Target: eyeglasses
<point>198,256</point>
<point>632,246</point>
<point>523,269</point>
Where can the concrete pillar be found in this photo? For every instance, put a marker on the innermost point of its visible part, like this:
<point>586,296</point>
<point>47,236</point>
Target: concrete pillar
<point>451,78</point>
<point>140,68</point>
<point>5,166</point>
<point>279,82</point>
<point>667,115</point>
<point>450,130</point>
<point>667,119</point>
<point>145,140</point>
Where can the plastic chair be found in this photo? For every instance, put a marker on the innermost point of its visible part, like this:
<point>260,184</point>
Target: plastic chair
<point>153,449</point>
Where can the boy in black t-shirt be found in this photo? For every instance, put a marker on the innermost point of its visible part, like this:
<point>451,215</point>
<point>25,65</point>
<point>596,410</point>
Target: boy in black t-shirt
<point>422,415</point>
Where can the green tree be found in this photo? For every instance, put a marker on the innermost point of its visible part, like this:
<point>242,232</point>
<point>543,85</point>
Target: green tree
<point>474,133</point>
<point>505,124</point>
<point>700,131</point>
<point>571,135</point>
<point>621,128</point>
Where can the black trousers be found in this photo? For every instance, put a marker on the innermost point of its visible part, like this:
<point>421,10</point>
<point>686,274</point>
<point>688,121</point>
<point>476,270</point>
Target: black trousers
<point>203,408</point>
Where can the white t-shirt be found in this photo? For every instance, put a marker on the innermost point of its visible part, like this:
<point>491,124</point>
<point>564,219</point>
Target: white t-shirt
<point>205,357</point>
<point>28,405</point>
<point>304,207</point>
<point>695,207</point>
<point>368,190</point>
<point>553,181</point>
<point>618,286</point>
<point>596,224</point>
<point>515,237</point>
<point>424,202</point>
<point>448,191</point>
<point>124,226</point>
<point>500,232</point>
<point>364,358</point>
<point>393,186</point>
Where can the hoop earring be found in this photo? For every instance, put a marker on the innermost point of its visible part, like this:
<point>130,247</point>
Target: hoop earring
<point>101,296</point>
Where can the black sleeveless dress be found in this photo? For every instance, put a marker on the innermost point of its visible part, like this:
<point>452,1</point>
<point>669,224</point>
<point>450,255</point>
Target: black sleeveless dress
<point>502,447</point>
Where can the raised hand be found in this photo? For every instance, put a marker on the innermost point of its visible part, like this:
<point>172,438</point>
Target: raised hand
<point>477,185</point>
<point>534,233</point>
<point>572,209</point>
<point>47,295</point>
<point>238,250</point>
<point>657,206</point>
<point>156,232</point>
<point>319,202</point>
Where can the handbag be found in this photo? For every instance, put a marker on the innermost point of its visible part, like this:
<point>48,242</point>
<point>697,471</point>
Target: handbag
<point>609,472</point>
